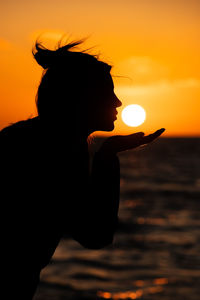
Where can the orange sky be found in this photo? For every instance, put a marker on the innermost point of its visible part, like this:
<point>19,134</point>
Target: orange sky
<point>154,43</point>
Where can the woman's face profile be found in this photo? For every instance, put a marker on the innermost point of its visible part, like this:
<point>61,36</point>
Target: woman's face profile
<point>103,112</point>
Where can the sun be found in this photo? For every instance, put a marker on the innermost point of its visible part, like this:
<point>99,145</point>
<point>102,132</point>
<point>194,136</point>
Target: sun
<point>133,115</point>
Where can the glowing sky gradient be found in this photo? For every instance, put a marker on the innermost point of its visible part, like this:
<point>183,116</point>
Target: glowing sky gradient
<point>153,44</point>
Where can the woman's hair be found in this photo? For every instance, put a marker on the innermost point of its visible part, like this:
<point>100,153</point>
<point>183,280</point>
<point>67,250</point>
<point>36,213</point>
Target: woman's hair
<point>69,78</point>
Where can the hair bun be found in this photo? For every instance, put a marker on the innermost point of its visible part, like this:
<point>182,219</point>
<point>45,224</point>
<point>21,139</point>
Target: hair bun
<point>44,57</point>
<point>47,58</point>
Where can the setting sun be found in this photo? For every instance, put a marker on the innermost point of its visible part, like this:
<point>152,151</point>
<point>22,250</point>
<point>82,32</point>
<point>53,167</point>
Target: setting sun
<point>133,115</point>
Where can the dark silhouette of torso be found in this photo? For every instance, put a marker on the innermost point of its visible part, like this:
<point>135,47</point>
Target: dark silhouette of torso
<point>46,192</point>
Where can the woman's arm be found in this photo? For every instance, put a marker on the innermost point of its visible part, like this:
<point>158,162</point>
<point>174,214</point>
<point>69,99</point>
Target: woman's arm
<point>95,210</point>
<point>96,216</point>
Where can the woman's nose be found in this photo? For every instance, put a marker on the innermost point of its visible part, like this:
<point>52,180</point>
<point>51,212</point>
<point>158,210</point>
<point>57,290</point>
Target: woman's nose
<point>118,102</point>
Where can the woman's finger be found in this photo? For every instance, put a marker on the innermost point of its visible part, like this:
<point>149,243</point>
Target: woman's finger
<point>149,138</point>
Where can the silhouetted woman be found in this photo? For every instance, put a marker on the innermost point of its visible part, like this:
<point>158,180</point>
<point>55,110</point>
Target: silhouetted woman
<point>48,188</point>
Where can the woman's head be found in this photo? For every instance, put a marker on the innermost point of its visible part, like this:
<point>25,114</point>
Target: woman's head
<point>76,88</point>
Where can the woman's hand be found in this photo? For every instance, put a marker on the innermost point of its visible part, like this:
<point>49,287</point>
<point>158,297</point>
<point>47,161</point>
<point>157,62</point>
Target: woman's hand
<point>118,143</point>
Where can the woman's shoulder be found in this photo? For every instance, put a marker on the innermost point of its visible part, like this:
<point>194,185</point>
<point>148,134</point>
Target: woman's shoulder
<point>19,129</point>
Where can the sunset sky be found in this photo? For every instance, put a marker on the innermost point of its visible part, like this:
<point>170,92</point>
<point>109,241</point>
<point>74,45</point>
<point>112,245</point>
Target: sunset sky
<point>153,44</point>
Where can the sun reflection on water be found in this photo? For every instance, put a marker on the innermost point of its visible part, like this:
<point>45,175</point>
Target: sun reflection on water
<point>153,287</point>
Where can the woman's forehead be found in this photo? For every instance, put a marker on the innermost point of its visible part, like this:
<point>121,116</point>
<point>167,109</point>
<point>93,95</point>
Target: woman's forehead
<point>107,80</point>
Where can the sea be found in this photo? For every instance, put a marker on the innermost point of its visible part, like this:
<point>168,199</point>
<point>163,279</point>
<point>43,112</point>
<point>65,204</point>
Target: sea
<point>156,250</point>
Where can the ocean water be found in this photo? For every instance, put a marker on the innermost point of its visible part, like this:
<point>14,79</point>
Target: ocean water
<point>156,251</point>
